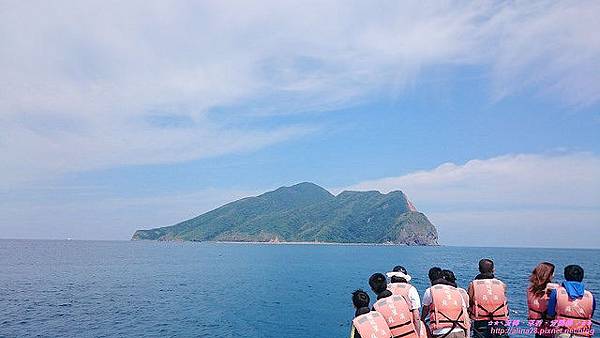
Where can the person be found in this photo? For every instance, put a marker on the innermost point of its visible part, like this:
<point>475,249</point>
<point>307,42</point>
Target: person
<point>395,309</point>
<point>445,307</point>
<point>487,302</point>
<point>434,274</point>
<point>572,303</point>
<point>449,276</point>
<point>400,285</point>
<point>378,284</point>
<point>367,323</point>
<point>540,284</point>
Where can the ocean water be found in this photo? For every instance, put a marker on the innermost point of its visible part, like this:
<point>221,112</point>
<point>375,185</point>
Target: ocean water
<point>101,289</point>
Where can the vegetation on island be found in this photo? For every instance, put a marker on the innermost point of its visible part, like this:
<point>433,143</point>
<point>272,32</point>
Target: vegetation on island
<point>306,212</point>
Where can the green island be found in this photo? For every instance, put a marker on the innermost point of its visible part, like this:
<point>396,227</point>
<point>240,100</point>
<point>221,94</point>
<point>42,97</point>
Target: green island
<point>307,213</point>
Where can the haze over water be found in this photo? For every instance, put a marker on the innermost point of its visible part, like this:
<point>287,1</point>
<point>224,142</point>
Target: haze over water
<point>93,288</point>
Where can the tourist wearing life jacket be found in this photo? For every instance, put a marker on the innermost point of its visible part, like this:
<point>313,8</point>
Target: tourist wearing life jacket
<point>445,306</point>
<point>487,302</point>
<point>398,311</point>
<point>538,292</point>
<point>367,323</point>
<point>400,285</point>
<point>571,303</point>
<point>449,276</point>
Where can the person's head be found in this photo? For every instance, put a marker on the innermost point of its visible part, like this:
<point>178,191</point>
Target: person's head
<point>434,273</point>
<point>449,276</point>
<point>486,265</point>
<point>573,273</point>
<point>360,299</point>
<point>398,279</point>
<point>540,277</point>
<point>378,283</point>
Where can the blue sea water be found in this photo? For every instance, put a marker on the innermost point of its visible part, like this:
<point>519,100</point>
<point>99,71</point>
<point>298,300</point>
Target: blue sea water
<point>102,289</point>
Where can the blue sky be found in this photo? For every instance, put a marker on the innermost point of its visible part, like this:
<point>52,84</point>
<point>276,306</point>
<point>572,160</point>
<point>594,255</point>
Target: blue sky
<point>487,116</point>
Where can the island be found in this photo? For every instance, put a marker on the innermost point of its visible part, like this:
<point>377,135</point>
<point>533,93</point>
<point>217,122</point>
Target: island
<point>307,213</point>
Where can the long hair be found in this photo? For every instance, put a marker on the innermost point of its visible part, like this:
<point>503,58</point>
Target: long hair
<point>540,277</point>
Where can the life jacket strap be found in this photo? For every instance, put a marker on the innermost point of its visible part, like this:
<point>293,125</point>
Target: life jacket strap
<point>455,322</point>
<point>492,314</point>
<point>404,334</point>
<point>543,314</point>
<point>400,325</point>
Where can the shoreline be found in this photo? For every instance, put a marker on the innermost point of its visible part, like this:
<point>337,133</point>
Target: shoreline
<point>317,243</point>
<point>292,243</point>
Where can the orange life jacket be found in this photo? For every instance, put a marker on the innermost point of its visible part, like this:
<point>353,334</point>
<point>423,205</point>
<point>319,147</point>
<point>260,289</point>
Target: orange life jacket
<point>447,309</point>
<point>489,300</point>
<point>371,325</point>
<point>396,312</point>
<point>400,289</point>
<point>578,310</point>
<point>537,305</point>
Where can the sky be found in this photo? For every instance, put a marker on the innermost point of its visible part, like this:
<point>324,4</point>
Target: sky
<point>116,116</point>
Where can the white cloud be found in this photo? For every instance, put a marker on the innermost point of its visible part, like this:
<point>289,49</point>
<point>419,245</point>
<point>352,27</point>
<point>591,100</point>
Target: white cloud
<point>508,199</point>
<point>84,84</point>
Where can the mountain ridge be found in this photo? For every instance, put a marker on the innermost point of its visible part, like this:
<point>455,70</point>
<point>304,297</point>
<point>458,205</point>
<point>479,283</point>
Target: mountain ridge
<point>306,212</point>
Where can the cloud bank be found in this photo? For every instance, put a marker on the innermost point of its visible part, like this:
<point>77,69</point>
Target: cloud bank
<point>100,84</point>
<point>521,199</point>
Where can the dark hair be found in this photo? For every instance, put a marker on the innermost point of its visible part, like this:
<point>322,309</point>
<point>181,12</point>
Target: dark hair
<point>396,279</point>
<point>448,275</point>
<point>400,268</point>
<point>573,273</point>
<point>434,273</point>
<point>360,299</point>
<point>486,265</point>
<point>377,282</point>
<point>540,277</point>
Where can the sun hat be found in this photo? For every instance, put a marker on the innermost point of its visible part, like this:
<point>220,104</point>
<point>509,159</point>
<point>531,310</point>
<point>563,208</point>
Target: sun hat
<point>399,271</point>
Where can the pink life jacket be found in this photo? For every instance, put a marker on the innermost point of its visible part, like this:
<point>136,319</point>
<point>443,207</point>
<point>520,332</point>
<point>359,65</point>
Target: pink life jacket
<point>447,309</point>
<point>371,325</point>
<point>489,300</point>
<point>538,305</point>
<point>396,311</point>
<point>400,289</point>
<point>578,310</point>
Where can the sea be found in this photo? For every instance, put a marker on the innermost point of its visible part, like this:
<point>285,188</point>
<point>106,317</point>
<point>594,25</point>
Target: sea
<point>193,289</point>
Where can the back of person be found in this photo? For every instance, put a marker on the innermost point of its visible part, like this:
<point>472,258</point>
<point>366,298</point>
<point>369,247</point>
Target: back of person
<point>538,292</point>
<point>400,285</point>
<point>487,295</point>
<point>540,282</point>
<point>371,325</point>
<point>397,313</point>
<point>447,311</point>
<point>537,304</point>
<point>489,300</point>
<point>576,310</point>
<point>573,305</point>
